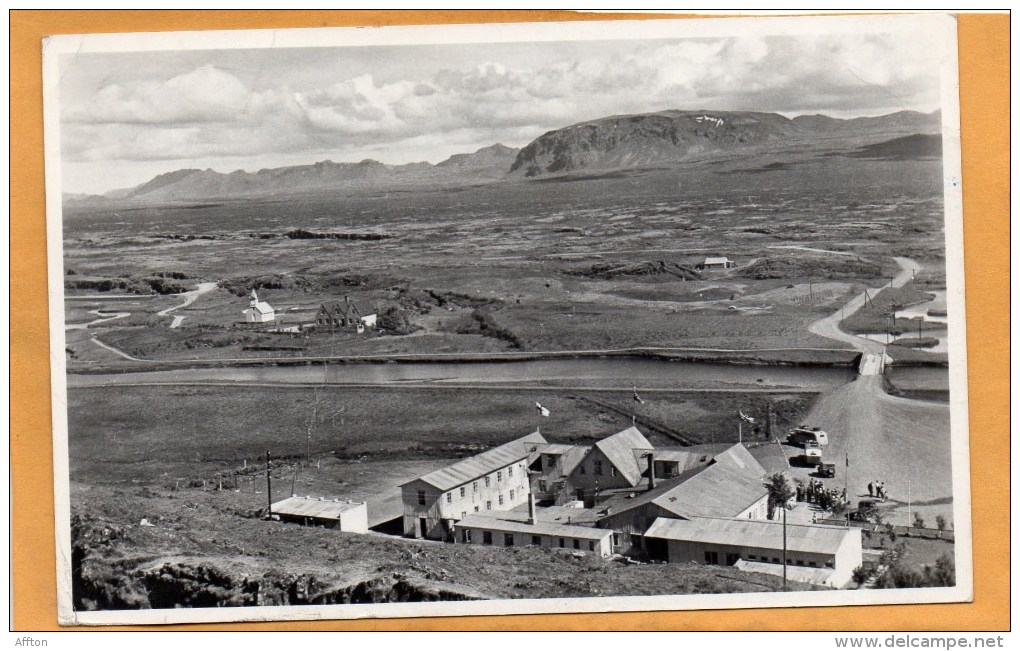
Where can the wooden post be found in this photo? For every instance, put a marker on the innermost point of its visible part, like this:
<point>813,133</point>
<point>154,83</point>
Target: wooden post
<point>783,506</point>
<point>269,486</point>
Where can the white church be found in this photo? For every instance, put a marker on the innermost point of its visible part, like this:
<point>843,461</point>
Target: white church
<point>258,311</point>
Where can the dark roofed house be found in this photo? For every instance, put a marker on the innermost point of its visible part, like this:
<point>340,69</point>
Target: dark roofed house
<point>494,480</point>
<point>338,314</point>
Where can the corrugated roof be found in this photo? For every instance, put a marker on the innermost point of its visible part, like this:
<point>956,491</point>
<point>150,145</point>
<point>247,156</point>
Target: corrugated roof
<point>479,521</point>
<point>305,507</point>
<point>619,449</point>
<point>723,488</point>
<point>767,534</point>
<point>814,575</point>
<point>556,448</point>
<point>482,464</point>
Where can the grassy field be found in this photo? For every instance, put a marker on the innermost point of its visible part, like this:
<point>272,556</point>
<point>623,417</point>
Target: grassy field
<point>157,435</point>
<point>568,264</point>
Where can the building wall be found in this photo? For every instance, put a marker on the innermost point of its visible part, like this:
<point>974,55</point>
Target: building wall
<point>757,511</point>
<point>842,562</point>
<point>630,525</point>
<point>501,490</point>
<point>584,476</point>
<point>355,519</point>
<point>603,547</point>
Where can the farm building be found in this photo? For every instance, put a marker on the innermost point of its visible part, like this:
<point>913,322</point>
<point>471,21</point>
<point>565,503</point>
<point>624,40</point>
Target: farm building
<point>718,263</point>
<point>331,514</point>
<point>493,529</point>
<point>730,485</point>
<point>822,555</point>
<point>551,468</point>
<point>495,480</point>
<point>258,311</point>
<point>613,462</point>
<point>341,314</point>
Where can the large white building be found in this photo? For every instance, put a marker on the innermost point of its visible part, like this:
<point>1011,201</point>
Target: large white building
<point>495,480</point>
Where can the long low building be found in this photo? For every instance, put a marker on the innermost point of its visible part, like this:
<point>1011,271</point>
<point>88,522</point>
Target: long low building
<point>482,529</point>
<point>332,514</point>
<point>819,554</point>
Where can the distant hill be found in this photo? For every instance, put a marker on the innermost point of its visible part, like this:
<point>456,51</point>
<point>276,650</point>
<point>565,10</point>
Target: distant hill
<point>486,164</point>
<point>613,143</point>
<point>650,139</point>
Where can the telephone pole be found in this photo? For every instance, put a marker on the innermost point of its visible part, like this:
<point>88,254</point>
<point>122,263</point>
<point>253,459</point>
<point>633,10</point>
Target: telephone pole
<point>269,485</point>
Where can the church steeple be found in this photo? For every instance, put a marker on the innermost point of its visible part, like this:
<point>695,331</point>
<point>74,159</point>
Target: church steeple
<point>254,299</point>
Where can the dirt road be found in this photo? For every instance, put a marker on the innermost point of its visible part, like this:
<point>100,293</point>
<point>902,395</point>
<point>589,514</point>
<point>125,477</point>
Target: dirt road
<point>905,443</point>
<point>829,326</point>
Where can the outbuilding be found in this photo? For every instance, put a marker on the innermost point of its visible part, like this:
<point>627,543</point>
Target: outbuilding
<point>491,529</point>
<point>342,515</point>
<point>819,554</point>
<point>721,262</point>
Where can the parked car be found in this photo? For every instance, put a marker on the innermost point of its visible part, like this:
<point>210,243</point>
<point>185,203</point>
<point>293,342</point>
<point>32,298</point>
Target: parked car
<point>804,434</point>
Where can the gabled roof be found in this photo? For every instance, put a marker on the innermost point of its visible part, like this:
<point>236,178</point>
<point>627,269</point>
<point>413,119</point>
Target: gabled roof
<point>480,521</point>
<point>619,450</point>
<point>340,307</point>
<point>306,507</point>
<point>722,260</point>
<point>727,486</point>
<point>482,464</point>
<point>262,307</point>
<point>809,538</point>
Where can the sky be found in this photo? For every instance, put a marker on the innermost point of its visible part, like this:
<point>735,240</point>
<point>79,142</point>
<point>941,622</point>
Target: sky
<point>126,117</point>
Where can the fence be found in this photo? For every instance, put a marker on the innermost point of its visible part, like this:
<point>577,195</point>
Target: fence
<point>899,530</point>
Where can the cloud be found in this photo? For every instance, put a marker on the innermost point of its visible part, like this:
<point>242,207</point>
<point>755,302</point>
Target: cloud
<point>210,111</point>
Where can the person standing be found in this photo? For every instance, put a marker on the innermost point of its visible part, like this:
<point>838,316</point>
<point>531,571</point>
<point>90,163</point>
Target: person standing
<point>871,489</point>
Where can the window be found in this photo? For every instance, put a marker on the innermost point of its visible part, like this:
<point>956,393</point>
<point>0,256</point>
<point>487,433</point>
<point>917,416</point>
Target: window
<point>510,471</point>
<point>462,491</point>
<point>476,508</point>
<point>829,564</point>
<point>612,471</point>
<point>486,537</point>
<point>591,545</point>
<point>501,499</point>
<point>536,540</point>
<point>487,481</point>
<point>577,544</point>
<point>550,461</point>
<point>463,514</point>
<point>598,468</point>
<point>499,475</point>
<point>582,469</point>
<point>465,535</point>
<point>711,558</point>
<point>542,486</point>
<point>732,558</point>
<point>812,564</point>
<point>800,562</point>
<point>775,560</point>
<point>449,497</point>
<point>508,540</point>
<point>616,539</point>
<point>511,495</point>
<point>421,497</point>
<point>752,557</point>
<point>562,543</point>
<point>474,487</point>
<point>488,505</point>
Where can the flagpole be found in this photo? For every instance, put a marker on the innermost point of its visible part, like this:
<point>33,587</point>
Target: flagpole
<point>740,430</point>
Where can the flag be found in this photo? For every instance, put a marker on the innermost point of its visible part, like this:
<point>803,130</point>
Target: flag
<point>637,398</point>
<point>542,410</point>
<point>744,417</point>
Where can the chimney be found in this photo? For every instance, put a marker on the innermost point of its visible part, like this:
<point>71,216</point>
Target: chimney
<point>531,508</point>
<point>348,299</point>
<point>651,471</point>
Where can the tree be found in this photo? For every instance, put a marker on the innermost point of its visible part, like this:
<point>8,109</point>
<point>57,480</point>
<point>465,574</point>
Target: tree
<point>940,522</point>
<point>861,575</point>
<point>918,521</point>
<point>780,492</point>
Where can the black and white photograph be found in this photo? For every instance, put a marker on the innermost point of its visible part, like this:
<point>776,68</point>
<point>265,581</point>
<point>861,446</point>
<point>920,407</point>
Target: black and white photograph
<point>507,318</point>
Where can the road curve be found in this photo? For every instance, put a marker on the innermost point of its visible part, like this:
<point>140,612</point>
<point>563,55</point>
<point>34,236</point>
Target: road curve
<point>829,326</point>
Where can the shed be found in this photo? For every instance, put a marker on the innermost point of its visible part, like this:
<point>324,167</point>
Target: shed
<point>332,514</point>
<point>721,262</point>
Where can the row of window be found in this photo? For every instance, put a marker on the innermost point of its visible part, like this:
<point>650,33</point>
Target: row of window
<point>712,558</point>
<point>509,540</point>
<point>597,467</point>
